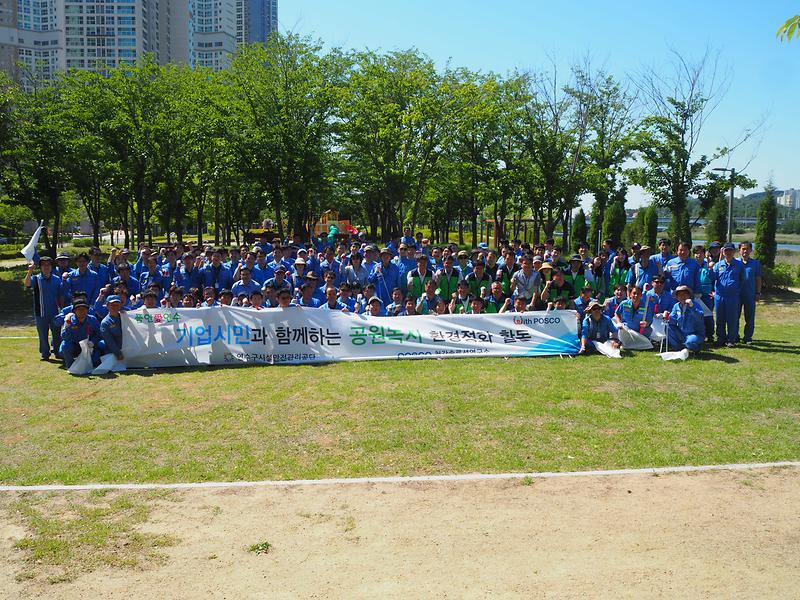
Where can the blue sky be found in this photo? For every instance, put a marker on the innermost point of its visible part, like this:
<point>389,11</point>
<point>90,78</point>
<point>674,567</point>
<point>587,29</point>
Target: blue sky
<point>622,36</point>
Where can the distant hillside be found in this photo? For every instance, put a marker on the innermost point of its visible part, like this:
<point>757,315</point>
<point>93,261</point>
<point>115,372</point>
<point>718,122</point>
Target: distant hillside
<point>743,206</point>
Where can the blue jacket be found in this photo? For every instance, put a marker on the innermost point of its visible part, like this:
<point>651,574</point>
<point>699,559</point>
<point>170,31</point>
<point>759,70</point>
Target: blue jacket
<point>631,317</point>
<point>638,276</point>
<point>89,282</point>
<point>688,319</point>
<point>132,285</point>
<point>598,331</point>
<point>102,273</point>
<point>729,278</point>
<point>706,277</point>
<point>660,303</point>
<point>680,272</point>
<point>46,295</point>
<point>111,332</point>
<point>385,281</point>
<point>262,274</point>
<point>217,277</point>
<point>247,288</point>
<point>187,279</point>
<point>752,270</point>
<point>73,331</point>
<point>147,278</point>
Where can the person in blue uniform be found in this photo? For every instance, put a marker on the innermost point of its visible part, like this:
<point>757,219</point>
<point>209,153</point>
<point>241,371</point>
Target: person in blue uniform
<point>187,275</point>
<point>46,303</point>
<point>81,279</point>
<point>728,278</point>
<point>98,267</point>
<point>386,276</point>
<point>659,299</point>
<point>217,275</point>
<point>246,283</point>
<point>751,290</point>
<point>682,270</point>
<point>663,257</point>
<point>642,272</point>
<point>111,327</point>
<point>79,325</point>
<point>706,290</point>
<point>124,277</point>
<point>597,327</point>
<point>634,314</point>
<point>686,328</point>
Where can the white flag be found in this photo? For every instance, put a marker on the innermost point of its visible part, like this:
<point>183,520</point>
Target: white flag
<point>29,250</point>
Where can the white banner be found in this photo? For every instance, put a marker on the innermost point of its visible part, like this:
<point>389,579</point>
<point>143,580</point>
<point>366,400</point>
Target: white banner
<point>231,335</point>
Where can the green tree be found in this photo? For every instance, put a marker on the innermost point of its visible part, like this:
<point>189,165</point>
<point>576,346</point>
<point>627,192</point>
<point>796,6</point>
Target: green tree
<point>610,140</point>
<point>554,129</point>
<point>33,173</point>
<point>650,226</point>
<point>766,226</point>
<point>679,107</point>
<point>578,229</point>
<point>614,221</point>
<point>717,220</point>
<point>789,29</point>
<point>281,111</point>
<point>634,231</point>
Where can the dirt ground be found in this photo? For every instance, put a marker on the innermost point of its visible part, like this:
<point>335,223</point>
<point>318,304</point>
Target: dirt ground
<point>703,535</point>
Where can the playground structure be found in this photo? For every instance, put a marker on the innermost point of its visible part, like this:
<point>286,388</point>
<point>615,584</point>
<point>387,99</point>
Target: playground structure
<point>331,217</point>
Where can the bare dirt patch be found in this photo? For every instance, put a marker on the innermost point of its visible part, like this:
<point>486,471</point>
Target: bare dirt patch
<point>706,535</point>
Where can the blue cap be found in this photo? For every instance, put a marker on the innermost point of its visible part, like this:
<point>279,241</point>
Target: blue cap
<point>483,246</point>
<point>113,298</point>
<point>715,244</point>
<point>729,246</point>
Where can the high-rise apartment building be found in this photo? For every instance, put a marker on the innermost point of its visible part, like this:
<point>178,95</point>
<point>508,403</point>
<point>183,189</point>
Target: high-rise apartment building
<point>255,19</point>
<point>40,37</point>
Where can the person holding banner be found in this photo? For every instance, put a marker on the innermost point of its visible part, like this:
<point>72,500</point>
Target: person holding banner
<point>597,327</point>
<point>686,328</point>
<point>46,304</point>
<point>111,328</point>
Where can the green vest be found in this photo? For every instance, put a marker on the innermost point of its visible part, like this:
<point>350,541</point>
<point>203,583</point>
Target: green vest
<point>578,282</point>
<point>418,283</point>
<point>615,276</point>
<point>447,285</point>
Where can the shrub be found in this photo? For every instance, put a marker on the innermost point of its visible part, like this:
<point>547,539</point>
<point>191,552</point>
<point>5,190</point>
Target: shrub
<point>779,278</point>
<point>83,242</point>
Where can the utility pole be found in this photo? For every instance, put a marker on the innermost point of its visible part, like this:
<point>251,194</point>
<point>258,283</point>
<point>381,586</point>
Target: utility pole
<point>730,207</point>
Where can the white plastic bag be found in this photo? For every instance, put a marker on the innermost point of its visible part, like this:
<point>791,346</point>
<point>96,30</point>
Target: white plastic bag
<point>706,311</point>
<point>680,355</point>
<point>83,364</point>
<point>108,363</point>
<point>633,340</point>
<point>607,349</point>
<point>659,329</point>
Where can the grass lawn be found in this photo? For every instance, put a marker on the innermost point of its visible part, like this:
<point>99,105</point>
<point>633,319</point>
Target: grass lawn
<point>403,417</point>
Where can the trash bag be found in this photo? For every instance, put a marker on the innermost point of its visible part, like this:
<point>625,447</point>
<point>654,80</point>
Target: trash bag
<point>680,355</point>
<point>633,340</point>
<point>109,363</point>
<point>659,328</point>
<point>83,364</point>
<point>606,349</point>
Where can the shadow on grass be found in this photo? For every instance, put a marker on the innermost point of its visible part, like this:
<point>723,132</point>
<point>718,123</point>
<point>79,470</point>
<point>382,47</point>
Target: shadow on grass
<point>710,356</point>
<point>773,347</point>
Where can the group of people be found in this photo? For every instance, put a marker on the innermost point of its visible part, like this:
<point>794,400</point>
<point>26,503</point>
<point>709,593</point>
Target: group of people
<point>612,291</point>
